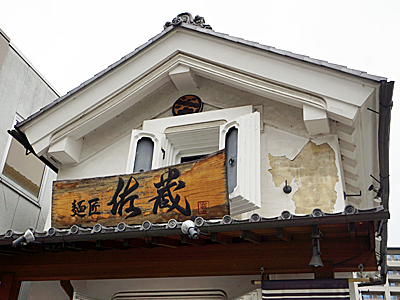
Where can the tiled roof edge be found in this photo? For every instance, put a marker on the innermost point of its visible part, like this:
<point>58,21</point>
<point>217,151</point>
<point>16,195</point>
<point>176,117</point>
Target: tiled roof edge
<point>122,230</point>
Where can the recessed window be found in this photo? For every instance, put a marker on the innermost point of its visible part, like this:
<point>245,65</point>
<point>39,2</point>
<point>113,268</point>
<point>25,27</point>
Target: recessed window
<point>144,155</point>
<point>186,138</point>
<point>24,170</point>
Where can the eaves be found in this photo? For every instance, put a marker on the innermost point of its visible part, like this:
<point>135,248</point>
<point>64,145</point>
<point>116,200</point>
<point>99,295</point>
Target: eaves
<point>211,33</point>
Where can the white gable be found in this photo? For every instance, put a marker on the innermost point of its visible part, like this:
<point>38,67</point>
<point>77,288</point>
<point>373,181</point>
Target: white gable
<point>310,102</point>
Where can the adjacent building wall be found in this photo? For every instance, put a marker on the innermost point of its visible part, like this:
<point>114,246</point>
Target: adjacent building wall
<point>391,288</point>
<point>23,91</point>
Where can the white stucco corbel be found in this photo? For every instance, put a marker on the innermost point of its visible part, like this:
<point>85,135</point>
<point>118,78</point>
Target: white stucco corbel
<point>315,119</point>
<point>183,78</point>
<point>66,150</point>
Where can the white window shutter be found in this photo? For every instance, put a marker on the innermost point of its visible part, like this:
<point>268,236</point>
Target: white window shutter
<point>247,194</point>
<point>159,154</point>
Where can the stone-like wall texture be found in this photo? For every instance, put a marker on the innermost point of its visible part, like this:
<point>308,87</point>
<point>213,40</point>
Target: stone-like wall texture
<point>314,171</point>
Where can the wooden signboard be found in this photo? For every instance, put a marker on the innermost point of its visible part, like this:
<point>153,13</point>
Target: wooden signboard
<point>177,192</point>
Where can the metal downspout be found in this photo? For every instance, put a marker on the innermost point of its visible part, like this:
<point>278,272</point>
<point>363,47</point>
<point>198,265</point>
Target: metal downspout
<point>385,107</point>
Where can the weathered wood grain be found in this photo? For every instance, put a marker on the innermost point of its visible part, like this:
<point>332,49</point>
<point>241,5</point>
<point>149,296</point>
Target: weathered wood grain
<point>150,195</point>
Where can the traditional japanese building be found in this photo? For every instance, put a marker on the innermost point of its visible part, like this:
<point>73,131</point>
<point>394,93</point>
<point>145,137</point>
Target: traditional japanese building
<point>201,163</point>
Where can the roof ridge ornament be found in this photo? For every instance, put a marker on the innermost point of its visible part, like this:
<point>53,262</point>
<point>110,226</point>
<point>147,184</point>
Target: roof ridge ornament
<point>187,18</point>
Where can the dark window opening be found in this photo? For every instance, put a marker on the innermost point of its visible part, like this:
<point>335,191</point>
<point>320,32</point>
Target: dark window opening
<point>231,139</point>
<point>144,155</point>
<point>191,158</point>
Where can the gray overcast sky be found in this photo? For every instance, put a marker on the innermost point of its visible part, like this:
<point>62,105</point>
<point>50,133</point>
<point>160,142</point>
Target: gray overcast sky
<point>70,41</point>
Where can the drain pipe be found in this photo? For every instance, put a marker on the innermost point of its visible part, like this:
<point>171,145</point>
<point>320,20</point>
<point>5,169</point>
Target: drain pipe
<point>385,107</point>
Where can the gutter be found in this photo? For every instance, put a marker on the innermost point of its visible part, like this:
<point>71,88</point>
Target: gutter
<point>385,107</point>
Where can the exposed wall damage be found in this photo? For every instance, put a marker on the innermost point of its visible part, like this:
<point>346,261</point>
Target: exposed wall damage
<point>315,173</point>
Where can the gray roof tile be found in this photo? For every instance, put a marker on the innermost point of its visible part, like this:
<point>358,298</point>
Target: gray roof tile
<point>99,231</point>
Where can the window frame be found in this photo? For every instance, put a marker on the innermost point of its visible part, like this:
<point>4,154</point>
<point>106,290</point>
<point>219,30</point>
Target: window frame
<point>36,200</point>
<point>210,129</point>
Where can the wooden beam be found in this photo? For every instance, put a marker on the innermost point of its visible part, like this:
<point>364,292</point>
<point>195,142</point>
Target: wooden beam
<point>79,246</point>
<point>371,233</point>
<point>164,241</point>
<point>68,288</point>
<point>238,258</point>
<point>250,236</point>
<point>325,272</point>
<point>111,244</point>
<point>136,243</point>
<point>221,238</point>
<point>9,286</point>
<point>352,229</point>
<point>283,234</point>
<point>196,242</point>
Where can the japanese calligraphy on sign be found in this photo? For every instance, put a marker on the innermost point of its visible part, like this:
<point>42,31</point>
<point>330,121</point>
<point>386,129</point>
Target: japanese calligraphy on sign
<point>176,192</point>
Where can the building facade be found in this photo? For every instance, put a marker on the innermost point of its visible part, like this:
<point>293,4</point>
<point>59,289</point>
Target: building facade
<point>200,163</point>
<point>391,289</point>
<point>25,180</point>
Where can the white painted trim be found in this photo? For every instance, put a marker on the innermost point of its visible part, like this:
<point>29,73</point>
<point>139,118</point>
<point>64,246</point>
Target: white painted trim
<point>247,194</point>
<point>119,100</point>
<point>183,78</point>
<point>66,150</point>
<point>227,115</point>
<point>159,141</point>
<point>15,186</point>
<point>79,296</point>
<point>198,124</point>
<point>316,120</point>
<point>21,191</point>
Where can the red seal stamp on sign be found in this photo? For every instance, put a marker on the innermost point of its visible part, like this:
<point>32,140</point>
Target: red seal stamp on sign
<point>202,207</point>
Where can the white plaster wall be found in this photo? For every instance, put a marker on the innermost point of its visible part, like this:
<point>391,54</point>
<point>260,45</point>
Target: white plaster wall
<point>105,150</point>
<point>22,92</point>
<point>41,290</point>
<point>110,161</point>
<point>280,143</point>
<point>234,286</point>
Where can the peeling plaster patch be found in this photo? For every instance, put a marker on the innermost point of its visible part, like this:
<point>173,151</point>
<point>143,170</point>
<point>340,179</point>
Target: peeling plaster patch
<point>334,144</point>
<point>315,174</point>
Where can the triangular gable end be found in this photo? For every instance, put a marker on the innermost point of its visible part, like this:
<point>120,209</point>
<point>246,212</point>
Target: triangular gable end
<point>186,54</point>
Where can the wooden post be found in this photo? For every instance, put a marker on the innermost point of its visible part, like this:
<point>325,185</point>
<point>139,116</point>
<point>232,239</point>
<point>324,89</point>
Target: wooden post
<point>9,286</point>
<point>325,272</point>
